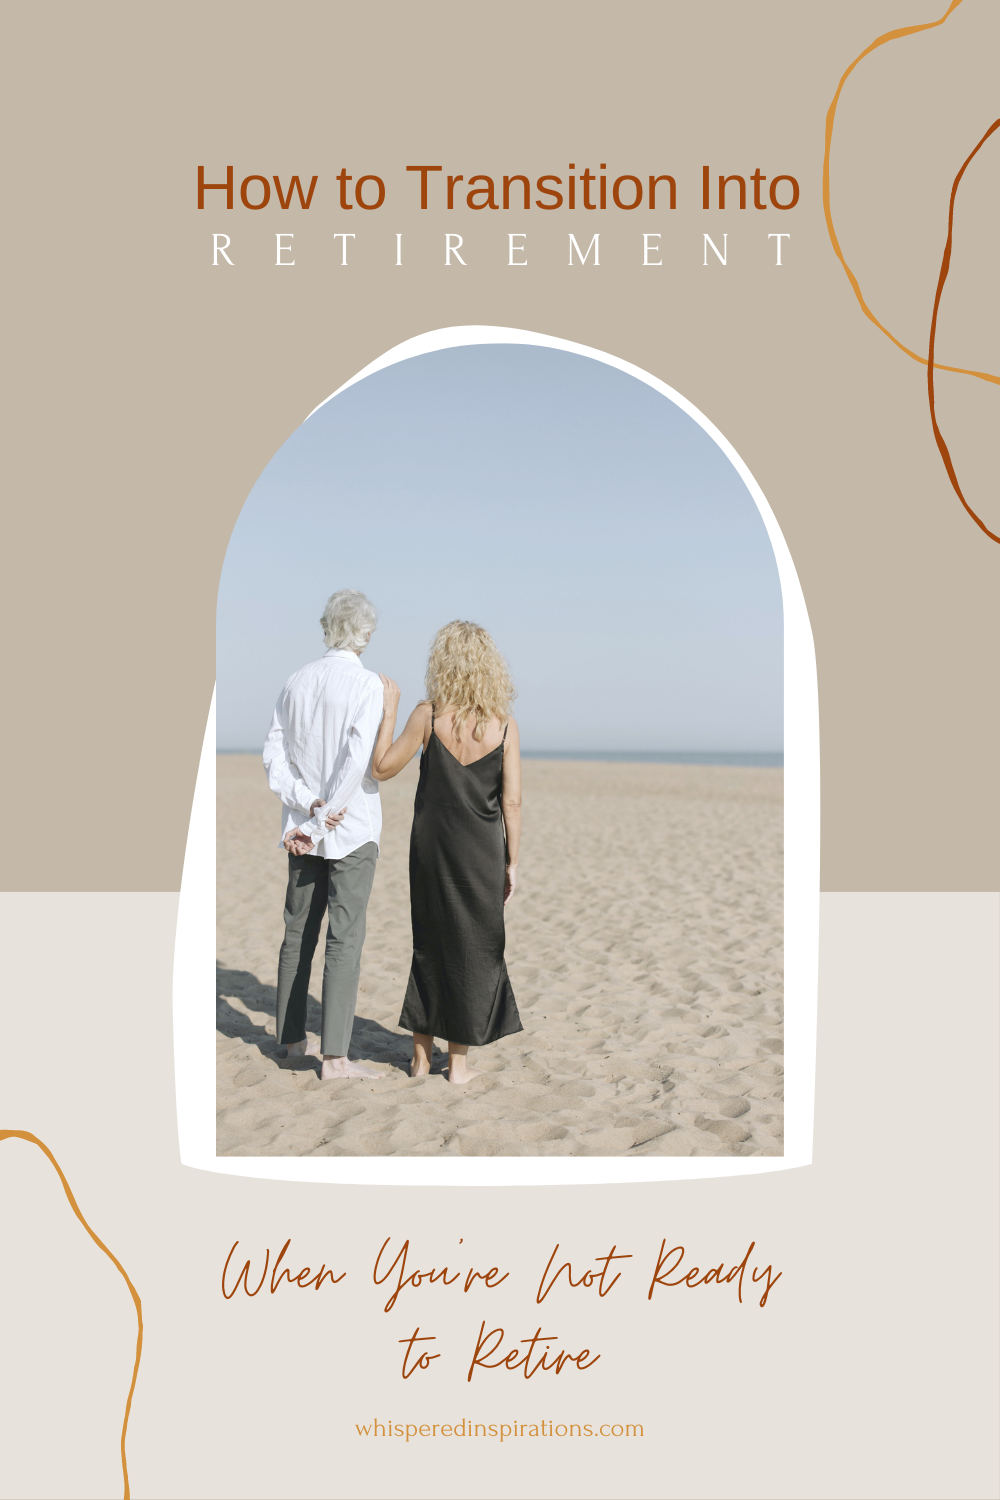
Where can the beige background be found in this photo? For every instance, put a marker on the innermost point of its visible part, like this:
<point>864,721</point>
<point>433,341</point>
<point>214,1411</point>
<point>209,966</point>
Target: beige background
<point>149,389</point>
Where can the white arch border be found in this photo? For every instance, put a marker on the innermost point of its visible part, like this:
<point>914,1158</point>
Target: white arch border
<point>194,954</point>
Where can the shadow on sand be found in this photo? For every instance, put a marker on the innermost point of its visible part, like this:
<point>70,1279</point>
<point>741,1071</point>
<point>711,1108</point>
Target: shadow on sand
<point>370,1041</point>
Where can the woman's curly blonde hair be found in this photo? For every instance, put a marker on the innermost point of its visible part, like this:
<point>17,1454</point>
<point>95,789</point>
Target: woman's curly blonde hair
<point>466,672</point>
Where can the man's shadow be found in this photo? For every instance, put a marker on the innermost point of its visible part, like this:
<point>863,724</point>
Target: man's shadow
<point>369,1039</point>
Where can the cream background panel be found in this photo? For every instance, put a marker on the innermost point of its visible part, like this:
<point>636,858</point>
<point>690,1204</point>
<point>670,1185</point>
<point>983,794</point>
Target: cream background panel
<point>870,1373</point>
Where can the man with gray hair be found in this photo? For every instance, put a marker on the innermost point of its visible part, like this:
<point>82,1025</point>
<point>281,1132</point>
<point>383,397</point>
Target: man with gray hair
<point>318,760</point>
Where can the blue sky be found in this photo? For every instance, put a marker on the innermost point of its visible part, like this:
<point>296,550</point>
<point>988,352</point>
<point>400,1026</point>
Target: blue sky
<point>595,530</point>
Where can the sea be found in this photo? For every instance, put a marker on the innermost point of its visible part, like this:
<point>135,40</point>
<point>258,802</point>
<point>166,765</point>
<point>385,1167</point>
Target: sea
<point>667,757</point>
<point>639,757</point>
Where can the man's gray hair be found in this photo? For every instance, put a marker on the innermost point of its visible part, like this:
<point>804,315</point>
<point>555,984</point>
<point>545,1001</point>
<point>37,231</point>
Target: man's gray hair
<point>348,620</point>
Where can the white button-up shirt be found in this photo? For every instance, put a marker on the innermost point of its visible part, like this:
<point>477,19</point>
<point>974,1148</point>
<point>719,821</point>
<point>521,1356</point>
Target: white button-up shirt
<point>320,745</point>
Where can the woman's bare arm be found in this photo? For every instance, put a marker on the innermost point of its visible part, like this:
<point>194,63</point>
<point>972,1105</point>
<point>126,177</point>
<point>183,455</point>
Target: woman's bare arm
<point>510,801</point>
<point>389,759</point>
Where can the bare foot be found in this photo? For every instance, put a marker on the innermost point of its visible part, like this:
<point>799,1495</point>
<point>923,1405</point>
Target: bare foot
<point>305,1048</point>
<point>465,1076</point>
<point>342,1067</point>
<point>423,1055</point>
<point>459,1071</point>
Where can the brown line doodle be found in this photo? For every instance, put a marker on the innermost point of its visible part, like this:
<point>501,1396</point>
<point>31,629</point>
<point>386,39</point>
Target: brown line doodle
<point>25,1135</point>
<point>945,267</point>
<point>889,36</point>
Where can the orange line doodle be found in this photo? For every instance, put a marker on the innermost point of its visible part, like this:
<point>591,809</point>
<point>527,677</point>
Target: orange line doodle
<point>945,266</point>
<point>889,36</point>
<point>25,1135</point>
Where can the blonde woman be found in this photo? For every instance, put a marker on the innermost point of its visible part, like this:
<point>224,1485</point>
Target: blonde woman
<point>463,846</point>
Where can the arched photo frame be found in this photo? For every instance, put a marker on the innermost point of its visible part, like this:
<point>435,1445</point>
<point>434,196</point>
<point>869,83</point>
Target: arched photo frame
<point>194,960</point>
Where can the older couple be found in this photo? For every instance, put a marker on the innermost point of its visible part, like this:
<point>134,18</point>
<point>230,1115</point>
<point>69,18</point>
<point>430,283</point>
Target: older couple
<point>330,744</point>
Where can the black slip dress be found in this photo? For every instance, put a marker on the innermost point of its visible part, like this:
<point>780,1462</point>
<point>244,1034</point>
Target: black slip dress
<point>458,987</point>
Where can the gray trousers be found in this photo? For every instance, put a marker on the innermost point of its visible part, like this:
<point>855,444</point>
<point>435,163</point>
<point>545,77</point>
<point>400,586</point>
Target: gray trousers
<point>339,887</point>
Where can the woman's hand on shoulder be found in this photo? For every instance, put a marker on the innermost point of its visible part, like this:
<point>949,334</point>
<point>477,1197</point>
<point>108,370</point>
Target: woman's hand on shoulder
<point>389,758</point>
<point>390,695</point>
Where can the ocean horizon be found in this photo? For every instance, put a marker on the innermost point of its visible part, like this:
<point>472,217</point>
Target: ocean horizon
<point>667,757</point>
<point>774,758</point>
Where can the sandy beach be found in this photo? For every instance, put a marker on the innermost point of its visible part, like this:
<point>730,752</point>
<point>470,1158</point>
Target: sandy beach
<point>647,968</point>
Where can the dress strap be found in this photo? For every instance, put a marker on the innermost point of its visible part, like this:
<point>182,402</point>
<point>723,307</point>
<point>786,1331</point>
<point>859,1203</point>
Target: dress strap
<point>504,732</point>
